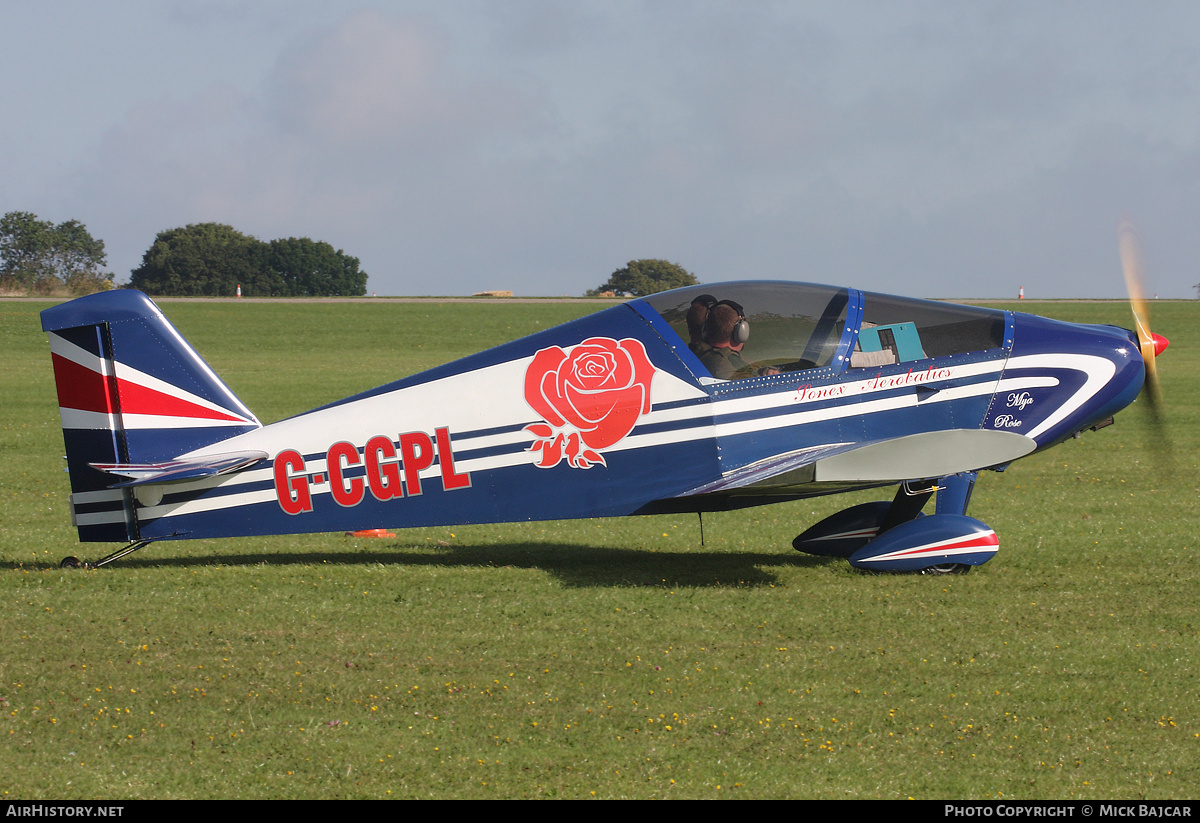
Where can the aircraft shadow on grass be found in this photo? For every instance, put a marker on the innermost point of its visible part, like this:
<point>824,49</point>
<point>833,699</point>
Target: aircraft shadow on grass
<point>572,564</point>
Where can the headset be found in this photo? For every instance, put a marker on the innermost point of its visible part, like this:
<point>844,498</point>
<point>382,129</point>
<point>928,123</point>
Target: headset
<point>741,331</point>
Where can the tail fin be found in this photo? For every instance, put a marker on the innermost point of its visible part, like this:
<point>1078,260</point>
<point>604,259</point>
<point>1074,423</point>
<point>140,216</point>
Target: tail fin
<point>133,395</point>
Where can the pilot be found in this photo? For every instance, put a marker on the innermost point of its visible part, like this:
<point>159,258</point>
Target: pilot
<point>725,332</point>
<point>695,322</point>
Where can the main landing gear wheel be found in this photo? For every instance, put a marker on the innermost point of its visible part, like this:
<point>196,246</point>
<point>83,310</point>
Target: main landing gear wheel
<point>947,568</point>
<point>70,563</point>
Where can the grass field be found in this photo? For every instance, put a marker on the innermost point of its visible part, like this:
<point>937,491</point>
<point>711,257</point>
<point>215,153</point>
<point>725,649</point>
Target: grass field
<point>606,658</point>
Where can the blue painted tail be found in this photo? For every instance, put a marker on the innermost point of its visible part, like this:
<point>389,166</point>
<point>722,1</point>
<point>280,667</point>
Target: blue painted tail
<point>133,396</point>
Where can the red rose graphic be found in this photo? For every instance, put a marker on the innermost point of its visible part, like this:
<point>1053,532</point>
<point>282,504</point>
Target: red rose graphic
<point>591,397</point>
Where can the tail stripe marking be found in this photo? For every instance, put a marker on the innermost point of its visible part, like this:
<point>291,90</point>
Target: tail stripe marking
<point>84,389</point>
<point>145,402</point>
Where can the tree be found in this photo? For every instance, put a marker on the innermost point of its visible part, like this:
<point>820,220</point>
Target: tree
<point>642,277</point>
<point>38,256</point>
<point>199,259</point>
<point>214,259</point>
<point>78,259</point>
<point>25,251</point>
<point>300,267</point>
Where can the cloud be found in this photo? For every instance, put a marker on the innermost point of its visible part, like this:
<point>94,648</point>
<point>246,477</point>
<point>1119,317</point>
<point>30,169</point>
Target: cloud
<point>362,127</point>
<point>465,147</point>
<point>375,82</point>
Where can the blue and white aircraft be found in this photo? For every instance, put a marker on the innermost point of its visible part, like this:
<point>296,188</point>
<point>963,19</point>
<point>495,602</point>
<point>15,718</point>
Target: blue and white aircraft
<point>627,411</point>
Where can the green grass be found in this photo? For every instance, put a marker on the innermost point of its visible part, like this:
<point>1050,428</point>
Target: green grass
<point>605,658</point>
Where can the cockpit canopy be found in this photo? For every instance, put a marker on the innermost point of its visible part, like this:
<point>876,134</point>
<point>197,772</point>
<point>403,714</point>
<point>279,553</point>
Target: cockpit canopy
<point>800,326</point>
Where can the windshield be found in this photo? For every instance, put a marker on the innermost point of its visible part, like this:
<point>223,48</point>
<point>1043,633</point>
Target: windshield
<point>900,329</point>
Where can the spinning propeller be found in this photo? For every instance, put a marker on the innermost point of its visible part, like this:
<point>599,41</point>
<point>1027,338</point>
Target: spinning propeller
<point>1151,344</point>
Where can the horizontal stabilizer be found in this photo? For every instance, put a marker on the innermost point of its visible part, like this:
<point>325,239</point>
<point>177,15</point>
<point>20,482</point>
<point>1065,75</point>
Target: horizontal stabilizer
<point>176,471</point>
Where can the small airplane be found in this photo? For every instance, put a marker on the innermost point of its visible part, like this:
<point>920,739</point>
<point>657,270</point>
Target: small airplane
<point>661,404</point>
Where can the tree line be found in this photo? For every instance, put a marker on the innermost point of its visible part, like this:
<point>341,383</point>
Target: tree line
<point>201,259</point>
<point>215,259</point>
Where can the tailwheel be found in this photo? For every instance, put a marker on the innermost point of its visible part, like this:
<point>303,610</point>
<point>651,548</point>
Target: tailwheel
<point>75,563</point>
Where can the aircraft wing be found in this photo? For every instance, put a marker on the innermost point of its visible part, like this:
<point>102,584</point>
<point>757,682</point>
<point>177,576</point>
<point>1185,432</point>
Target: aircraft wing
<point>893,460</point>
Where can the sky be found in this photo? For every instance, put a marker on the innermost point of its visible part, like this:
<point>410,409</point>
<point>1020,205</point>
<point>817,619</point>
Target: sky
<point>931,149</point>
